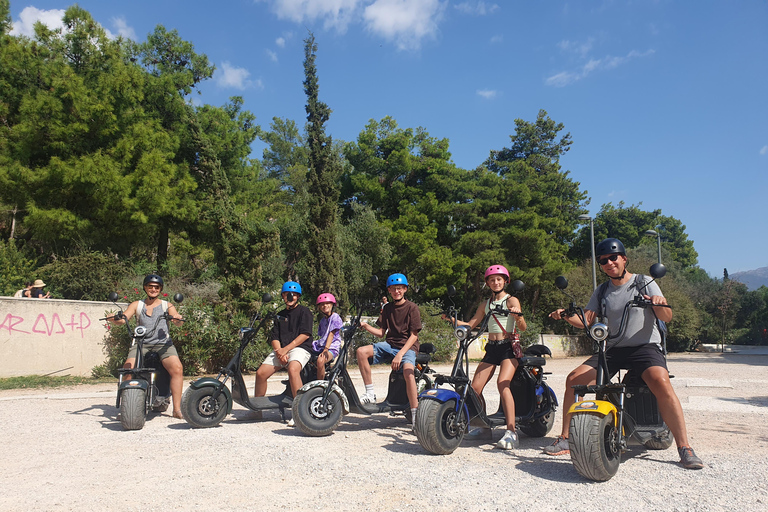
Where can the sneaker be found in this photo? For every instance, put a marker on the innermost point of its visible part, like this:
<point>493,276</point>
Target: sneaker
<point>291,423</point>
<point>559,447</point>
<point>368,398</point>
<point>509,441</point>
<point>688,459</point>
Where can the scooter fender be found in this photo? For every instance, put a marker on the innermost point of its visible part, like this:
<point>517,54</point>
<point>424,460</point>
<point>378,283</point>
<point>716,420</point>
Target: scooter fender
<point>213,383</point>
<point>443,395</point>
<point>601,407</point>
<point>324,384</point>
<point>131,384</point>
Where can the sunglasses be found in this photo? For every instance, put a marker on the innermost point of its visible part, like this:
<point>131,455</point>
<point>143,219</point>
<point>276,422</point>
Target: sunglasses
<point>153,286</point>
<point>604,261</point>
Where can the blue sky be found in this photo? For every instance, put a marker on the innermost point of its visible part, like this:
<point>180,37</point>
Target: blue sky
<point>666,101</point>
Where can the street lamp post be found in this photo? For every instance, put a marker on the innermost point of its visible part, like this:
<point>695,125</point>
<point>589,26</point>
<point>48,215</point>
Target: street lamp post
<point>592,245</point>
<point>651,232</point>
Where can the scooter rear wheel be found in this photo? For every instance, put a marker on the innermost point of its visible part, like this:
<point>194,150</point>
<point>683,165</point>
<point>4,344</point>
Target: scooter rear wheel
<point>540,426</point>
<point>311,417</point>
<point>594,444</point>
<point>199,408</point>
<point>438,427</point>
<point>133,408</point>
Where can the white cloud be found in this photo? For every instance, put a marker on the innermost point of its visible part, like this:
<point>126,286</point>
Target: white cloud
<point>336,14</point>
<point>581,49</point>
<point>568,77</point>
<point>236,78</point>
<point>479,8</point>
<point>25,26</point>
<point>764,150</point>
<point>123,29</point>
<point>280,41</point>
<point>272,55</point>
<point>497,39</point>
<point>486,93</point>
<point>404,22</point>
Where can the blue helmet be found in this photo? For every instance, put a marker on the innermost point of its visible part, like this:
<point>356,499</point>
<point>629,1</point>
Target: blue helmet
<point>291,286</point>
<point>397,279</point>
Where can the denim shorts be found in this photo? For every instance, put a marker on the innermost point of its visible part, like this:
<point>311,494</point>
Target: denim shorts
<point>383,352</point>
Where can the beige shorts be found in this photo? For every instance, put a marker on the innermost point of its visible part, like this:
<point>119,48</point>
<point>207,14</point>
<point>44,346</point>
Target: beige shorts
<point>164,351</point>
<point>296,354</point>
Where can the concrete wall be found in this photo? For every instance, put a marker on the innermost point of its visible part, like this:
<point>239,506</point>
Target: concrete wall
<point>51,336</point>
<point>567,346</point>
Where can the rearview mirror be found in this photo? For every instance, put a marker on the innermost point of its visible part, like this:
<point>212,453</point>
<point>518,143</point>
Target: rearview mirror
<point>561,282</point>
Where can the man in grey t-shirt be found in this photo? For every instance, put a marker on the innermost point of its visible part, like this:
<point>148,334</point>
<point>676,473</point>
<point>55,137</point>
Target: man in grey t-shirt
<point>639,347</point>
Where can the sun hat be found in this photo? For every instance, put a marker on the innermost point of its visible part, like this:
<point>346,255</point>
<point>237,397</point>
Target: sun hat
<point>38,283</point>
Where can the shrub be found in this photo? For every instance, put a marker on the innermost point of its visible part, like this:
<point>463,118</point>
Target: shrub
<point>84,276</point>
<point>14,268</point>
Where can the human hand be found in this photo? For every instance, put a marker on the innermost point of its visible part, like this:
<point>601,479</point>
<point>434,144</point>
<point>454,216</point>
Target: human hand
<point>557,314</point>
<point>396,362</point>
<point>656,300</point>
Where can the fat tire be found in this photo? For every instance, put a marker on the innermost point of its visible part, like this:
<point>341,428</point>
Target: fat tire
<point>434,426</point>
<point>540,426</point>
<point>662,442</point>
<point>133,408</point>
<point>199,411</point>
<point>308,416</point>
<point>591,441</point>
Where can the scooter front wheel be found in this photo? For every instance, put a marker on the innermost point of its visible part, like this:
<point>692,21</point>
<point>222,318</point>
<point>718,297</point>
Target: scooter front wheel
<point>312,417</point>
<point>200,409</point>
<point>439,428</point>
<point>133,408</point>
<point>594,443</point>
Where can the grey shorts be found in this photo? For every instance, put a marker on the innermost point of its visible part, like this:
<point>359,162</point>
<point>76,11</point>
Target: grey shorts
<point>296,354</point>
<point>164,351</point>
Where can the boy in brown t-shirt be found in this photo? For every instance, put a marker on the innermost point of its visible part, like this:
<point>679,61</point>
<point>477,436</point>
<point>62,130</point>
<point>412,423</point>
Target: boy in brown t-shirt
<point>399,323</point>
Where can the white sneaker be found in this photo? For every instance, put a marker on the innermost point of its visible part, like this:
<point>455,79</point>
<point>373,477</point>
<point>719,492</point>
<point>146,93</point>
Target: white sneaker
<point>291,423</point>
<point>368,398</point>
<point>479,432</point>
<point>509,441</point>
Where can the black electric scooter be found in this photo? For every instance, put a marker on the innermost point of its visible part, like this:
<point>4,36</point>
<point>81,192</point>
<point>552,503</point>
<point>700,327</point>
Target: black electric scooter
<point>622,412</point>
<point>445,415</point>
<point>149,388</point>
<point>320,404</point>
<point>207,401</point>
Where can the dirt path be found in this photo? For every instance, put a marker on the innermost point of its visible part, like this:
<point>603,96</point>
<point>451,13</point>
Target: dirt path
<point>64,450</point>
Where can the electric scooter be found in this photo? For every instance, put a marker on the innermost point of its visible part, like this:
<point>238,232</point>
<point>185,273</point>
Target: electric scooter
<point>320,404</point>
<point>445,415</point>
<point>149,388</point>
<point>207,401</point>
<point>622,412</point>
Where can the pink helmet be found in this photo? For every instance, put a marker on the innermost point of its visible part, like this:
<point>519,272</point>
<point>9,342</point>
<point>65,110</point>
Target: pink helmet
<point>497,270</point>
<point>325,297</point>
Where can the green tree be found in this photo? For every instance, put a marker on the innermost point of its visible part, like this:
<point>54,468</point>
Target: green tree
<point>324,272</point>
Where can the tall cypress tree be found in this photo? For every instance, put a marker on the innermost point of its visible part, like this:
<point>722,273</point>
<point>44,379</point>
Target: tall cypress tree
<point>324,173</point>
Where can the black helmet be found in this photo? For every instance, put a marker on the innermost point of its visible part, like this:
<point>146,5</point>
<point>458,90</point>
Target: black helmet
<point>153,278</point>
<point>610,246</point>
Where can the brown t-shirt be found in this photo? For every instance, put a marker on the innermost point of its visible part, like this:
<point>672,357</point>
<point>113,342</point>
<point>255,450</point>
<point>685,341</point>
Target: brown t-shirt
<point>400,322</point>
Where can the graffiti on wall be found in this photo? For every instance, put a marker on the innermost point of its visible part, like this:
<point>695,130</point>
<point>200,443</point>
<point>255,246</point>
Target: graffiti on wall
<point>47,325</point>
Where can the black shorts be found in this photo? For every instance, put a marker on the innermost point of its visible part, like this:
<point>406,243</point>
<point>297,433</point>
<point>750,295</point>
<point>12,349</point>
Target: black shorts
<point>631,358</point>
<point>496,353</point>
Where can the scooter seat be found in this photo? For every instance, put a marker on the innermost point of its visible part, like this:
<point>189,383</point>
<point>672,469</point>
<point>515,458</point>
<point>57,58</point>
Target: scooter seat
<point>538,350</point>
<point>532,361</point>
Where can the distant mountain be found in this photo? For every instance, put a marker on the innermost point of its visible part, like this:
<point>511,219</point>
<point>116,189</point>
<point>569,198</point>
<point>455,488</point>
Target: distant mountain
<point>754,279</point>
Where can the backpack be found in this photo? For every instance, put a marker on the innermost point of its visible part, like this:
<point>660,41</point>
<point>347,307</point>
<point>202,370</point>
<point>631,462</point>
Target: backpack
<point>638,284</point>
<point>163,305</point>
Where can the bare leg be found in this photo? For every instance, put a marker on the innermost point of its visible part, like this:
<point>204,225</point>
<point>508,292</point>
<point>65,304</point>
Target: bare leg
<point>410,385</point>
<point>176,371</point>
<point>294,377</point>
<point>506,373</point>
<point>482,375</point>
<point>363,353</point>
<point>264,372</point>
<point>321,362</point>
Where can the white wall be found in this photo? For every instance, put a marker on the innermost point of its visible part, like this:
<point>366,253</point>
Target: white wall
<point>51,336</point>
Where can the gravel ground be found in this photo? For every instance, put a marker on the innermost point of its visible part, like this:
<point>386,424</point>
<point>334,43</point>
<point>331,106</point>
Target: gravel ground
<point>65,450</point>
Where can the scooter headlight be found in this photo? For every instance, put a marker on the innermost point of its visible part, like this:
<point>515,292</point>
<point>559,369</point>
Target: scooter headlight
<point>140,331</point>
<point>599,331</point>
<point>461,332</point>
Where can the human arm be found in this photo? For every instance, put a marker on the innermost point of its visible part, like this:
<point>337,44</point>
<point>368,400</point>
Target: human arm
<point>574,320</point>
<point>127,314</point>
<point>398,359</point>
<point>176,317</point>
<point>513,304</point>
<point>659,302</point>
<point>474,321</point>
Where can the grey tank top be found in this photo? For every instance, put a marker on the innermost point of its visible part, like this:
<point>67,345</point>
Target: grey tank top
<point>157,325</point>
